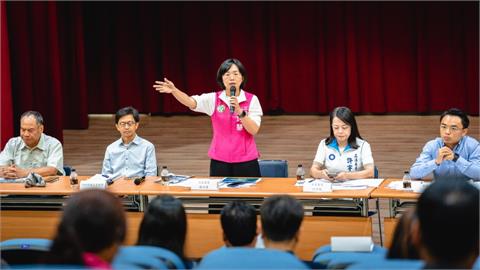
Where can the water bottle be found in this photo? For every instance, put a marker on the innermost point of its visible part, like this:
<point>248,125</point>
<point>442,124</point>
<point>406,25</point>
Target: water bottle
<point>407,180</point>
<point>74,179</point>
<point>300,172</point>
<point>164,174</point>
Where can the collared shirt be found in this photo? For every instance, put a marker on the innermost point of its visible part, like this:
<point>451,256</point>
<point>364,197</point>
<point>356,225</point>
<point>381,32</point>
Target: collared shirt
<point>47,153</point>
<point>348,160</point>
<point>134,159</point>
<point>466,167</point>
<point>206,104</point>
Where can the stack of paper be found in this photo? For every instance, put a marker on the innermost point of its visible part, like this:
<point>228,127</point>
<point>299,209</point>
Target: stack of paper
<point>344,185</point>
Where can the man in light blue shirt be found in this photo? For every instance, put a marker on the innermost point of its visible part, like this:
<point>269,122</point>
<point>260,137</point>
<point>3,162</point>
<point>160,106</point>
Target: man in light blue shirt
<point>452,156</point>
<point>31,152</point>
<point>131,155</point>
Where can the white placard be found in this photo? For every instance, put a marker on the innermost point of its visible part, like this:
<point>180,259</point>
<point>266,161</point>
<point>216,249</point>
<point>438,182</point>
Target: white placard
<point>317,186</point>
<point>351,243</point>
<point>204,184</point>
<point>97,181</point>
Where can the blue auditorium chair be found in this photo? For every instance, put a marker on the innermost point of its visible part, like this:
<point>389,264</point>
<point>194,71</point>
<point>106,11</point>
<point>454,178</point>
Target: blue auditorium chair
<point>328,249</point>
<point>146,257</point>
<point>388,264</point>
<point>340,260</point>
<point>24,250</point>
<point>250,258</point>
<point>273,168</point>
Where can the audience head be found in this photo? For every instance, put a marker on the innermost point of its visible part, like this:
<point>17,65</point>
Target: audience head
<point>93,221</point>
<point>126,121</point>
<point>343,127</point>
<point>453,126</point>
<point>239,224</point>
<point>225,67</point>
<point>31,127</point>
<point>164,225</point>
<point>448,228</point>
<point>281,217</point>
<point>402,246</point>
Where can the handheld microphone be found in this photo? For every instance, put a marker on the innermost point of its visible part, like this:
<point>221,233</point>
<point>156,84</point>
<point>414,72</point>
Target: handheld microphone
<point>139,180</point>
<point>232,94</point>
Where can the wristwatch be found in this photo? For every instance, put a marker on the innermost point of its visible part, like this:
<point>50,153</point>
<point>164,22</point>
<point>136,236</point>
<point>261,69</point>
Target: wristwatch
<point>243,114</point>
<point>455,157</point>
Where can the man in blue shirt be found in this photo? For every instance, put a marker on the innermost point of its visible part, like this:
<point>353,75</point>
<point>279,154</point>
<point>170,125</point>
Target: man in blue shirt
<point>452,156</point>
<point>131,155</point>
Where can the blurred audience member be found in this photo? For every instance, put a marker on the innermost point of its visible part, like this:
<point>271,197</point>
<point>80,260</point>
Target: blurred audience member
<point>91,230</point>
<point>402,246</point>
<point>239,224</point>
<point>447,233</point>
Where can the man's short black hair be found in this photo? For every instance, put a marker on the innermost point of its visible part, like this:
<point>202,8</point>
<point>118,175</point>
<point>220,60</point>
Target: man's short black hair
<point>457,112</point>
<point>281,217</point>
<point>126,111</point>
<point>448,214</point>
<point>239,223</point>
<point>38,117</point>
<point>225,66</point>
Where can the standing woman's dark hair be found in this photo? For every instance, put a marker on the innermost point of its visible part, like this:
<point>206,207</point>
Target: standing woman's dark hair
<point>225,66</point>
<point>93,221</point>
<point>346,116</point>
<point>164,225</point>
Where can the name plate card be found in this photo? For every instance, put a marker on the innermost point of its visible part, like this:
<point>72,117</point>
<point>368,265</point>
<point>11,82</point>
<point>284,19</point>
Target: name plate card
<point>205,184</point>
<point>93,184</point>
<point>317,186</point>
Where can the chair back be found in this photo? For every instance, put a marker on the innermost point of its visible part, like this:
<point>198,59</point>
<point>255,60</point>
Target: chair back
<point>250,258</point>
<point>67,169</point>
<point>328,249</point>
<point>388,264</point>
<point>340,260</point>
<point>273,168</point>
<point>146,257</point>
<point>24,250</point>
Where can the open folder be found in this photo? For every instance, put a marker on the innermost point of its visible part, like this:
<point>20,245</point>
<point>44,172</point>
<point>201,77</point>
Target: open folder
<point>231,182</point>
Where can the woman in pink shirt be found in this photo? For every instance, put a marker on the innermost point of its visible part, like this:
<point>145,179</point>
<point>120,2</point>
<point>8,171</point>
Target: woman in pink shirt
<point>236,117</point>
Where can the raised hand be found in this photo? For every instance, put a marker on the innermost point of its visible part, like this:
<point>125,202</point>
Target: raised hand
<point>165,86</point>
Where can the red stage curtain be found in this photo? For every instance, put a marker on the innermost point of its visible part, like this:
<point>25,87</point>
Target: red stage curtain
<point>6,126</point>
<point>71,59</point>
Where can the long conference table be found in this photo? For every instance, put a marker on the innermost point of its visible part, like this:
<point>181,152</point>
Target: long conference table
<point>398,201</point>
<point>204,232</point>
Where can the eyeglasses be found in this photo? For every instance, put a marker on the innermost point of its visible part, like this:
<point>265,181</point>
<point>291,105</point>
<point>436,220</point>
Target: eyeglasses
<point>129,124</point>
<point>451,128</point>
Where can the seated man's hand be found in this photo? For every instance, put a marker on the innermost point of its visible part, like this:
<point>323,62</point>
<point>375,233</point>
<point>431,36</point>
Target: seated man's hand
<point>3,171</point>
<point>444,153</point>
<point>15,172</point>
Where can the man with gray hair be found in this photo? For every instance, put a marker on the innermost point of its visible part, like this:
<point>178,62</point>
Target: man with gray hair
<point>32,151</point>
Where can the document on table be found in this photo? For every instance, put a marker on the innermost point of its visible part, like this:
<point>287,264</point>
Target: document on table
<point>239,182</point>
<point>15,180</point>
<point>346,185</point>
<point>416,186</point>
